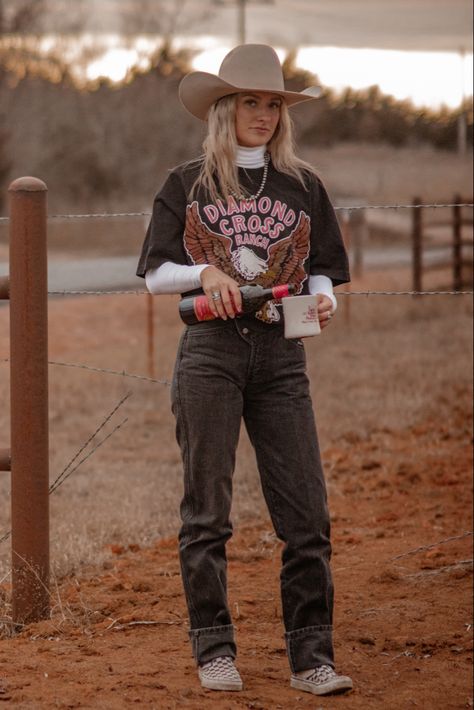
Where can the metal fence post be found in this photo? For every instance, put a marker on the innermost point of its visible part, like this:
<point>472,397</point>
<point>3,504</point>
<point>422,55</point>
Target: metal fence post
<point>150,334</point>
<point>457,246</point>
<point>417,246</point>
<point>358,222</point>
<point>29,401</point>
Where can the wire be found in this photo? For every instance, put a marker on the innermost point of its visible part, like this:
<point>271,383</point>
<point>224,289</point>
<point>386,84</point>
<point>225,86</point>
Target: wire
<point>338,293</point>
<point>103,370</point>
<point>114,215</point>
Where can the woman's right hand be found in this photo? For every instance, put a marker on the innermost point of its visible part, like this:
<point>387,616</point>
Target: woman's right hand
<point>214,281</point>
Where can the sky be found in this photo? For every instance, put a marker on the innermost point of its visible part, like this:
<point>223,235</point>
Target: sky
<point>416,49</point>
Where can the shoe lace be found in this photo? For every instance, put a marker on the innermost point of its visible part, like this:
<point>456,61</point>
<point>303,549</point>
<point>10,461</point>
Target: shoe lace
<point>322,674</point>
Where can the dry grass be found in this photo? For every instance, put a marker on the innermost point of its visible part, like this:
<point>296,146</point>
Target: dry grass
<point>392,362</point>
<point>379,174</point>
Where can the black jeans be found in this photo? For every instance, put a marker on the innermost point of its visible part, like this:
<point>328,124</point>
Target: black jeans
<point>226,370</point>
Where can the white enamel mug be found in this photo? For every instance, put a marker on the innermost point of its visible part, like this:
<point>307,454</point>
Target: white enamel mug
<point>301,316</point>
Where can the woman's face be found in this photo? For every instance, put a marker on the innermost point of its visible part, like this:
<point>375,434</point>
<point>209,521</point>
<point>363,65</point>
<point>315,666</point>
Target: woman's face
<point>256,117</point>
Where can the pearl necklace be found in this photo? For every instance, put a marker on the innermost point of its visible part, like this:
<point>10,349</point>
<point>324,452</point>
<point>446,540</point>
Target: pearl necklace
<point>266,161</point>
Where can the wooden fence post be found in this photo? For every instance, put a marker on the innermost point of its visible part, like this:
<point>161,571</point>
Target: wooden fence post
<point>29,401</point>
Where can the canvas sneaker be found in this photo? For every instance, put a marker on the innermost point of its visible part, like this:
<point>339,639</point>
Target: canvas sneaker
<point>322,680</point>
<point>220,674</point>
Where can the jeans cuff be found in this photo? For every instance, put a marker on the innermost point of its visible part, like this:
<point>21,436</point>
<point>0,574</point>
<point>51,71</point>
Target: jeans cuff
<point>309,647</point>
<point>208,643</point>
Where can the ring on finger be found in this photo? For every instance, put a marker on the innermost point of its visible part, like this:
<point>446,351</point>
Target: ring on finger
<point>329,315</point>
<point>216,296</point>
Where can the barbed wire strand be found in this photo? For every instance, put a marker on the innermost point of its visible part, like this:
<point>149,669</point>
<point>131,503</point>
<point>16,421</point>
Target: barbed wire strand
<point>114,215</point>
<point>107,371</point>
<point>88,455</point>
<point>57,481</point>
<point>98,445</point>
<point>104,370</point>
<point>430,547</point>
<point>370,563</point>
<point>337,293</point>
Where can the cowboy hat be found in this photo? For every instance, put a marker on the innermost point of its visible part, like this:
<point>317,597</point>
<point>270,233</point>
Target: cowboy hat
<point>248,67</point>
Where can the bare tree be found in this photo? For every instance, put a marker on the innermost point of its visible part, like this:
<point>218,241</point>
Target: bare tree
<point>16,18</point>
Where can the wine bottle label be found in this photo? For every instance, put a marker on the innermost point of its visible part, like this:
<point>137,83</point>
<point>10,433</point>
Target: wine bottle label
<point>281,291</point>
<point>201,309</point>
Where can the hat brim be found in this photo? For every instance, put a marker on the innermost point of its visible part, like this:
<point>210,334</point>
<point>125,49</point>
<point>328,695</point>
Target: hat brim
<point>199,90</point>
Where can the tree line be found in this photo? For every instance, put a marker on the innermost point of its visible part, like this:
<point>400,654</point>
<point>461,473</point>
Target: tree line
<point>95,145</point>
<point>102,144</point>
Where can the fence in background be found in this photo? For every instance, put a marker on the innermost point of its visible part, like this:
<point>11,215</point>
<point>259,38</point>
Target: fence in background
<point>458,263</point>
<point>28,458</point>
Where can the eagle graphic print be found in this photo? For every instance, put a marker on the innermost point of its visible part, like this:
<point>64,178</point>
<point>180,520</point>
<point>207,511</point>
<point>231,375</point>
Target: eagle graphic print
<point>253,241</point>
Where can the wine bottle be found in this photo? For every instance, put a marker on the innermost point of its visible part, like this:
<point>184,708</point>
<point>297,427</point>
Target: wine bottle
<point>195,309</point>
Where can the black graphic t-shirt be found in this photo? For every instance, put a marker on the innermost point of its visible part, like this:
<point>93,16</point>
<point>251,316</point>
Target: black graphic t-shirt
<point>283,236</point>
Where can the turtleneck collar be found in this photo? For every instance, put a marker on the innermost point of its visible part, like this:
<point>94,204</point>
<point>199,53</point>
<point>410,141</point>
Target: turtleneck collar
<point>250,157</point>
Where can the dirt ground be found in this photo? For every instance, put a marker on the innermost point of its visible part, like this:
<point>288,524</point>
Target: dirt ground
<point>399,483</point>
<point>402,626</point>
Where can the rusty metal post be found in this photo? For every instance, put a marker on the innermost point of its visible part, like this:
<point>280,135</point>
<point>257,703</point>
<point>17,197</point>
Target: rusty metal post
<point>151,334</point>
<point>29,400</point>
<point>359,234</point>
<point>5,460</point>
<point>417,237</point>
<point>346,231</point>
<point>4,288</point>
<point>457,246</point>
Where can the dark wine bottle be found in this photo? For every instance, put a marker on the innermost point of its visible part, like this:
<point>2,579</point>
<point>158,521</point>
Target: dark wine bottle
<point>195,309</point>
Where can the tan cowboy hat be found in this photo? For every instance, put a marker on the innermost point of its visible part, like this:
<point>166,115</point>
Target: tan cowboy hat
<point>249,67</point>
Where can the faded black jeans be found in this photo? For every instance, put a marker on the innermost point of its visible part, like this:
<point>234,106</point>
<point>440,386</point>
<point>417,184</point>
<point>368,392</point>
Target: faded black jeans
<point>226,370</point>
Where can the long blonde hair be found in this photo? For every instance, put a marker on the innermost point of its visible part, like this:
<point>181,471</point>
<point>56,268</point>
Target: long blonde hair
<point>219,174</point>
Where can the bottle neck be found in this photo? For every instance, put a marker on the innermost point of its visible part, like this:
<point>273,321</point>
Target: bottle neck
<point>281,291</point>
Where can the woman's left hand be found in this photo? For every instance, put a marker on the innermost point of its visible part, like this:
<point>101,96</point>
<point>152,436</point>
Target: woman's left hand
<point>324,311</point>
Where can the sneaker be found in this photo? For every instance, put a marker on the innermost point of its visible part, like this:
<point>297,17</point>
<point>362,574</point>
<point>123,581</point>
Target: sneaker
<point>322,680</point>
<point>220,674</point>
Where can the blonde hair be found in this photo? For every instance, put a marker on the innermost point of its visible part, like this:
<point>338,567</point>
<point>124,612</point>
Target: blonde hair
<point>219,174</point>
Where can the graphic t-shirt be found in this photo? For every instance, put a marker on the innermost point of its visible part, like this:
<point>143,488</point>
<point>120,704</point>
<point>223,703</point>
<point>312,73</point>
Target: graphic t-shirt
<point>283,236</point>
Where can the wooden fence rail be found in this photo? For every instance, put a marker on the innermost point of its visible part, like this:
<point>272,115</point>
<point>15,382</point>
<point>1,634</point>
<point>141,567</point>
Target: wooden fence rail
<point>458,263</point>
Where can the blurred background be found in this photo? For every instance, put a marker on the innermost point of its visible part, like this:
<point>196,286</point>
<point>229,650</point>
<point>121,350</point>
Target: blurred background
<point>89,103</point>
<point>88,92</point>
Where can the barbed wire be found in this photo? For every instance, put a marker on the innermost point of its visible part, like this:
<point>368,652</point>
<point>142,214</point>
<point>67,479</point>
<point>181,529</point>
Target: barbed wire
<point>103,370</point>
<point>107,371</point>
<point>137,292</point>
<point>115,215</point>
<point>430,547</point>
<point>366,562</point>
<point>65,473</point>
<point>62,476</point>
<point>99,444</point>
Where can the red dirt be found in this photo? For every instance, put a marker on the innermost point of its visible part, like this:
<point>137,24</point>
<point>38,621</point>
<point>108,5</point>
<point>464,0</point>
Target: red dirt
<point>402,627</point>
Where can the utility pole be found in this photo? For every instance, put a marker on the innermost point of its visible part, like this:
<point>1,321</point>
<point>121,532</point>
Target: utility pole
<point>241,14</point>
<point>462,132</point>
<point>241,20</point>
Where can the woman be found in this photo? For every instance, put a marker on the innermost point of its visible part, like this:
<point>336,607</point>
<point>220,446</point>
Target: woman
<point>247,212</point>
